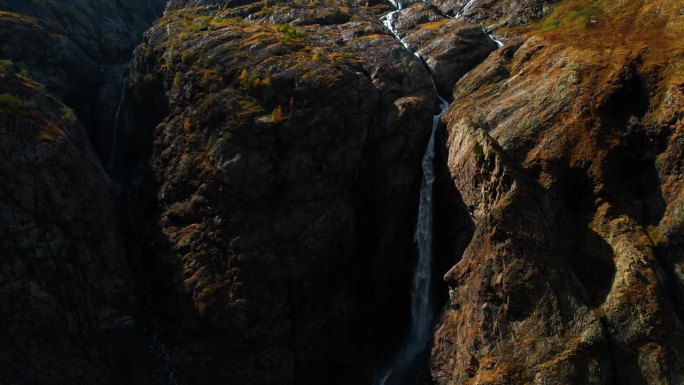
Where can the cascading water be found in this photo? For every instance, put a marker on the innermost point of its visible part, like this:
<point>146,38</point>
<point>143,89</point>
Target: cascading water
<point>421,311</point>
<point>421,301</point>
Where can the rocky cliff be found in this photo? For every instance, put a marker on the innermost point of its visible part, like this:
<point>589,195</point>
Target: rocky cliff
<point>239,206</point>
<point>79,50</point>
<point>65,286</point>
<point>307,126</point>
<point>562,145</point>
<point>68,302</point>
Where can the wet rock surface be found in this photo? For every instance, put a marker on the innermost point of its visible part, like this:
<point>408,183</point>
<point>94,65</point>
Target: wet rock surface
<point>449,47</point>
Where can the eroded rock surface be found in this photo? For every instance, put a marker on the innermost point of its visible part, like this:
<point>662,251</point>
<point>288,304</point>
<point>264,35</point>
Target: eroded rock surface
<point>496,13</point>
<point>449,47</point>
<point>562,149</point>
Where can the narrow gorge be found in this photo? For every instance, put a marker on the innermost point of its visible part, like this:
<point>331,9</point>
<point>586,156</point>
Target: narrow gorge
<point>423,303</point>
<point>438,192</point>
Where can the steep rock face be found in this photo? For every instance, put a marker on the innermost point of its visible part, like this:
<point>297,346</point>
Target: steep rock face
<point>65,294</point>
<point>68,302</point>
<point>105,31</point>
<point>563,146</point>
<point>80,50</point>
<point>289,168</point>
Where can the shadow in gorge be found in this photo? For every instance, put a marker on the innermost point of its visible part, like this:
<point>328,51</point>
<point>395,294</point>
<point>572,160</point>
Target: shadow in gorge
<point>632,184</point>
<point>589,256</point>
<point>147,249</point>
<point>386,283</point>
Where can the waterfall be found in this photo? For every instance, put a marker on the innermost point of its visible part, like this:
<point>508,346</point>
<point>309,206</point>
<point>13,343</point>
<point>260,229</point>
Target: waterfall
<point>421,303</point>
<point>388,21</point>
<point>421,312</point>
<point>115,125</point>
<point>499,43</point>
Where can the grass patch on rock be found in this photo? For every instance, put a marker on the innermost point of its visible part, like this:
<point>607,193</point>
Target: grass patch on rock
<point>11,105</point>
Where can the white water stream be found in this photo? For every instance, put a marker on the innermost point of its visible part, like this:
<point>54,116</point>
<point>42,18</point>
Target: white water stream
<point>421,302</point>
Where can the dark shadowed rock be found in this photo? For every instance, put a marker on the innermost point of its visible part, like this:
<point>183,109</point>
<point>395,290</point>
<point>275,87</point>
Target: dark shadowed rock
<point>80,50</point>
<point>66,302</point>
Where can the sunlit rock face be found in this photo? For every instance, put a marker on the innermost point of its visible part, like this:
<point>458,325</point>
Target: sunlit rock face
<point>562,145</point>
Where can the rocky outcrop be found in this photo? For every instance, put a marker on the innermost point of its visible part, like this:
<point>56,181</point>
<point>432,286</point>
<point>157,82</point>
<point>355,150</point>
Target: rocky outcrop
<point>69,304</point>
<point>496,13</point>
<point>561,147</point>
<point>66,303</point>
<point>289,167</point>
<point>80,50</point>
